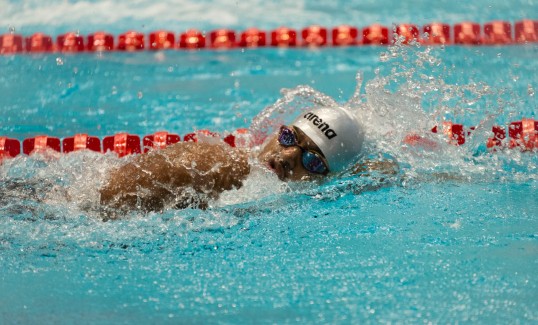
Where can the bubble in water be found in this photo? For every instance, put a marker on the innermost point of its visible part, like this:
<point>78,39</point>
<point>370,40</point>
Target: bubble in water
<point>140,95</point>
<point>530,90</point>
<point>59,61</point>
<point>160,56</point>
<point>384,57</point>
<point>12,29</point>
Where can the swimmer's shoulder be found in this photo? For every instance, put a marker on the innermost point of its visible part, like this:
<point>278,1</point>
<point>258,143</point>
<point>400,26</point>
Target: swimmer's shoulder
<point>202,151</point>
<point>192,147</point>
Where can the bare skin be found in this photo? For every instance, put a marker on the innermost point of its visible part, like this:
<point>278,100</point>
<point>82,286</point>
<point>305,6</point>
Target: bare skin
<point>186,174</point>
<point>286,162</point>
<point>189,174</point>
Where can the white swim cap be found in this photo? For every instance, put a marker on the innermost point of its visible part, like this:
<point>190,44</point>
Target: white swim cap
<point>336,132</point>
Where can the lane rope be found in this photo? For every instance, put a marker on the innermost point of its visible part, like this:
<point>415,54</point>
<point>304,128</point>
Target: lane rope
<point>497,32</point>
<point>522,135</point>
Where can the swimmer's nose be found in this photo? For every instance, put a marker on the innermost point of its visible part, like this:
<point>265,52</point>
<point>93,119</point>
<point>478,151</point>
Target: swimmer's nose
<point>289,157</point>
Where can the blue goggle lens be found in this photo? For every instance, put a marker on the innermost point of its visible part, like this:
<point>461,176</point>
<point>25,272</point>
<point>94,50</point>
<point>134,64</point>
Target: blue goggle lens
<point>287,137</point>
<point>311,160</point>
<point>313,163</point>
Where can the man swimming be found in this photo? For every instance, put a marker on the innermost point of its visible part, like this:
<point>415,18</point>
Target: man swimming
<point>188,174</point>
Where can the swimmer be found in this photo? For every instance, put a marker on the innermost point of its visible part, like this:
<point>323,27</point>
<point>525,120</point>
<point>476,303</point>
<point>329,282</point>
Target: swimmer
<point>188,174</point>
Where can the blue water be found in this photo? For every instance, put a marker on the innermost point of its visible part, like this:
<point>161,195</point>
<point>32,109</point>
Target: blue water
<point>451,238</point>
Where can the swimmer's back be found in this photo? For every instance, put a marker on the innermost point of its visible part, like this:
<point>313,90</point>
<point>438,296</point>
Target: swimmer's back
<point>182,175</point>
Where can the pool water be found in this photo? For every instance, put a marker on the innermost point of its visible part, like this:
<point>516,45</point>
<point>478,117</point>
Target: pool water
<point>451,238</point>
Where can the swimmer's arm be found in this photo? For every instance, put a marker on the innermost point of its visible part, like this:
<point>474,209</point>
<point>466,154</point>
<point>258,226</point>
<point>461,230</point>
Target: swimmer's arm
<point>385,167</point>
<point>182,175</point>
<point>380,173</point>
<point>381,169</point>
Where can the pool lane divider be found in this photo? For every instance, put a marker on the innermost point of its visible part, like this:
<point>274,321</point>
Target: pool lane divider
<point>522,135</point>
<point>465,33</point>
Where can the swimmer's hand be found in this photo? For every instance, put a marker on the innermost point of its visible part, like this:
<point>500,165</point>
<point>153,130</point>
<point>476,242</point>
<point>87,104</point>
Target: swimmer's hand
<point>187,174</point>
<point>383,166</point>
<point>379,173</point>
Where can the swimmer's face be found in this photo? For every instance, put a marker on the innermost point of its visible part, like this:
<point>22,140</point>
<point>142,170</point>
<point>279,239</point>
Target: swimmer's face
<point>287,161</point>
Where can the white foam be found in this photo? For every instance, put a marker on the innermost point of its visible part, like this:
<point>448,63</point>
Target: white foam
<point>260,184</point>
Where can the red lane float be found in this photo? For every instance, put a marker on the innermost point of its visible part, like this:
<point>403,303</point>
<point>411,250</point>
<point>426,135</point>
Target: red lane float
<point>81,141</point>
<point>100,41</point>
<point>131,41</point>
<point>192,39</point>
<point>314,36</point>
<point>409,32</point>
<point>252,37</point>
<point>10,44</point>
<point>70,42</point>
<point>39,43</point>
<point>499,134</point>
<point>526,31</point>
<point>159,140</point>
<point>284,37</point>
<point>222,39</point>
<point>9,148</point>
<point>454,132</point>
<point>122,144</point>
<point>467,33</point>
<point>375,35</point>
<point>40,143</point>
<point>438,34</point>
<point>345,35</point>
<point>240,138</point>
<point>416,140</point>
<point>161,40</point>
<point>523,134</point>
<point>497,33</point>
<point>202,134</point>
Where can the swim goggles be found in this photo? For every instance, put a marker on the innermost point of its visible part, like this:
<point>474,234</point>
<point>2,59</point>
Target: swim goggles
<point>313,161</point>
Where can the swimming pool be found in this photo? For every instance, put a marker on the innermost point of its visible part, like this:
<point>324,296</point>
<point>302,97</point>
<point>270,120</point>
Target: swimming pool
<point>451,239</point>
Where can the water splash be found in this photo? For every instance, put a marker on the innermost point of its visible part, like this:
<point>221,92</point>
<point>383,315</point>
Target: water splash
<point>417,94</point>
<point>47,181</point>
<point>283,111</point>
<point>412,90</point>
<point>415,91</point>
